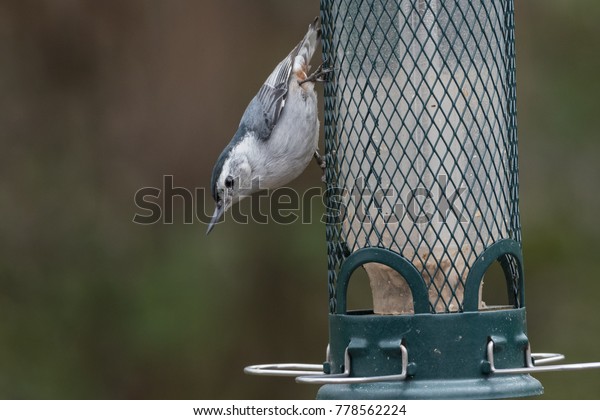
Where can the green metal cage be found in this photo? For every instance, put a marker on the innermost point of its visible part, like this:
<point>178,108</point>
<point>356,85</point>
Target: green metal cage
<point>420,134</point>
<point>422,176</point>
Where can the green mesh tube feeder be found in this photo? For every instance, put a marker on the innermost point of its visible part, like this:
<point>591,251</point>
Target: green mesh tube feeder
<point>422,193</point>
<point>421,125</point>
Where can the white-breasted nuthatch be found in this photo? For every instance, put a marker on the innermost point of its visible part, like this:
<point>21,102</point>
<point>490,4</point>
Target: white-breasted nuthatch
<point>278,133</point>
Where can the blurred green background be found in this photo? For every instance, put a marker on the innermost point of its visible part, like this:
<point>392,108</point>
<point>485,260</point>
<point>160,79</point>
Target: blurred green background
<point>101,98</point>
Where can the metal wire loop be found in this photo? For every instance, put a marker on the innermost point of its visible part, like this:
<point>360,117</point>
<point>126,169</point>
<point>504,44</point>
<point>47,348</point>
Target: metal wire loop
<point>345,378</point>
<point>313,373</point>
<point>284,369</point>
<point>287,369</point>
<point>533,359</point>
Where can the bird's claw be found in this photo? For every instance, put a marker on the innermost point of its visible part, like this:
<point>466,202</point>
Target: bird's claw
<point>321,162</point>
<point>318,75</point>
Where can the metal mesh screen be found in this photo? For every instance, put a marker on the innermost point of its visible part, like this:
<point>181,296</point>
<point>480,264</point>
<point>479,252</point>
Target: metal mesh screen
<point>420,134</point>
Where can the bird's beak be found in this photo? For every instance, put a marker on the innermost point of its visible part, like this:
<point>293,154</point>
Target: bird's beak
<point>216,216</point>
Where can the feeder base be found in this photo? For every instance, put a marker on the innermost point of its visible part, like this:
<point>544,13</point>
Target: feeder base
<point>505,386</point>
<point>445,355</point>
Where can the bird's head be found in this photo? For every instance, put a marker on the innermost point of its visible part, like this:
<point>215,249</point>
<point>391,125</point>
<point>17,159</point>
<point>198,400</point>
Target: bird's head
<point>230,182</point>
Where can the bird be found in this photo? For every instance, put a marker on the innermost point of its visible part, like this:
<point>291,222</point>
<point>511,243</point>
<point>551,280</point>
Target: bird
<point>278,133</point>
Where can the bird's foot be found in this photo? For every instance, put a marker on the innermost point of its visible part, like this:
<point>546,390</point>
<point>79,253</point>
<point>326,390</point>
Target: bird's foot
<point>321,162</point>
<point>318,75</point>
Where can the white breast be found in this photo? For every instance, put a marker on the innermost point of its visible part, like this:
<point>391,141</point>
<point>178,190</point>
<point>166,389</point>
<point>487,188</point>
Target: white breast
<point>293,141</point>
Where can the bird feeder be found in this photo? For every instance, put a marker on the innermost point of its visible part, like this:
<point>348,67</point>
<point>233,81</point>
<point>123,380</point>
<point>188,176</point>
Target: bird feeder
<point>422,193</point>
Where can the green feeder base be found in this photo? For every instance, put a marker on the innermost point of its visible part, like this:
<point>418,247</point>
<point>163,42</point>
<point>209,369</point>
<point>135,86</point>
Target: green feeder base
<point>458,389</point>
<point>447,356</point>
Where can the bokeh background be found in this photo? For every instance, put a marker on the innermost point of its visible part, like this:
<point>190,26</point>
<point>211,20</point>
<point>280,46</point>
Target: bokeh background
<point>101,98</point>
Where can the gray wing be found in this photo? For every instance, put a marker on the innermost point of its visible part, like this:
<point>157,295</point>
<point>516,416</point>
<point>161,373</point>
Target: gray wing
<point>264,110</point>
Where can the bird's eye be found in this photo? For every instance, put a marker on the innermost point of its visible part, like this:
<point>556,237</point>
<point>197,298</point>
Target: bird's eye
<point>229,182</point>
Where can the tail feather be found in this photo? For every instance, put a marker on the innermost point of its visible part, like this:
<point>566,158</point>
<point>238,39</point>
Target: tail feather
<point>271,96</point>
<point>306,48</point>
